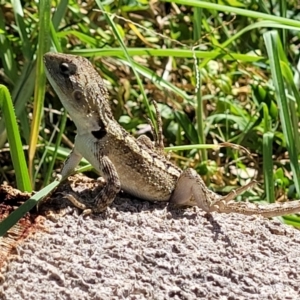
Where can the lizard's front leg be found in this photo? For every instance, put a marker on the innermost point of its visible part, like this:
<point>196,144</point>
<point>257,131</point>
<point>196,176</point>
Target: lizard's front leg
<point>70,163</point>
<point>107,194</point>
<point>69,166</point>
<point>112,187</point>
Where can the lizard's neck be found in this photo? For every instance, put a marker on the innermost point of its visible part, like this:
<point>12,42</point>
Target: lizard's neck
<point>98,118</point>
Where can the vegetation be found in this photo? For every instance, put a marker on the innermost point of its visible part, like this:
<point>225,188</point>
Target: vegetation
<point>224,74</point>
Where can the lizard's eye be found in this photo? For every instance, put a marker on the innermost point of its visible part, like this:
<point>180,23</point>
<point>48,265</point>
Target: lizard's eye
<point>67,69</point>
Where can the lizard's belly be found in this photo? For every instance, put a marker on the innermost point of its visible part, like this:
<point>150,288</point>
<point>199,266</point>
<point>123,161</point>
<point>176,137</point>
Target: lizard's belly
<point>147,186</point>
<point>145,176</point>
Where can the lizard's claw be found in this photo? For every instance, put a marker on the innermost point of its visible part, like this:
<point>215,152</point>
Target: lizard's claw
<point>77,203</point>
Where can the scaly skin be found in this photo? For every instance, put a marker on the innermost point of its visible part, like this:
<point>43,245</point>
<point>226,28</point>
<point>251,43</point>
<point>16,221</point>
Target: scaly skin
<point>127,163</point>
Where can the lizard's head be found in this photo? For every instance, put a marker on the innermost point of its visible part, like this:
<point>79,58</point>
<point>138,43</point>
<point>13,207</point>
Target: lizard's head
<point>79,87</point>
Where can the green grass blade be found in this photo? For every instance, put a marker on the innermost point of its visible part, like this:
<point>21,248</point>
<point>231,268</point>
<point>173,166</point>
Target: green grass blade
<point>59,13</point>
<point>169,52</point>
<point>196,146</point>
<point>197,24</point>
<point>16,150</point>
<point>274,47</point>
<point>57,143</point>
<point>54,39</point>
<point>21,93</point>
<point>232,38</point>
<point>294,102</point>
<point>39,92</point>
<point>158,81</point>
<point>16,215</point>
<point>6,53</point>
<point>238,11</point>
<point>292,220</point>
<point>187,126</point>
<point>126,54</point>
<point>22,28</point>
<point>268,166</point>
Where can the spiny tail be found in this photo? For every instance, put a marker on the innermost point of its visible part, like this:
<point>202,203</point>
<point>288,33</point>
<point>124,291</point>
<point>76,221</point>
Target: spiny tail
<point>226,205</point>
<point>268,211</point>
<point>234,193</point>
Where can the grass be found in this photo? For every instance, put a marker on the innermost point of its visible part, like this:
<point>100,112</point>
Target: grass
<point>221,74</point>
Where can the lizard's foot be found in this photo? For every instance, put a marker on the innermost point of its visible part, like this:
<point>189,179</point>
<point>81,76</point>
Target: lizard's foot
<point>97,204</point>
<point>77,203</point>
<point>223,204</point>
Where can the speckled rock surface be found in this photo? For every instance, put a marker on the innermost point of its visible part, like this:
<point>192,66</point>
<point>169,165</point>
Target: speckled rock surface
<point>141,250</point>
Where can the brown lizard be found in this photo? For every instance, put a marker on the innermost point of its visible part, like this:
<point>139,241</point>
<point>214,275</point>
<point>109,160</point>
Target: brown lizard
<point>134,165</point>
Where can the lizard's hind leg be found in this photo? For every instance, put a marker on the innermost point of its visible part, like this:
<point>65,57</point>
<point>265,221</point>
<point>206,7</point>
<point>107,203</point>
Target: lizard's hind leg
<point>191,190</point>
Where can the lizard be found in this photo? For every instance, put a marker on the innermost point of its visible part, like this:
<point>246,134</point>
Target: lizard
<point>135,165</point>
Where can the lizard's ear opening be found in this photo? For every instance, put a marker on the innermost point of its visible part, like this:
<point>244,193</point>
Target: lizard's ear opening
<point>77,95</point>
<point>67,69</point>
